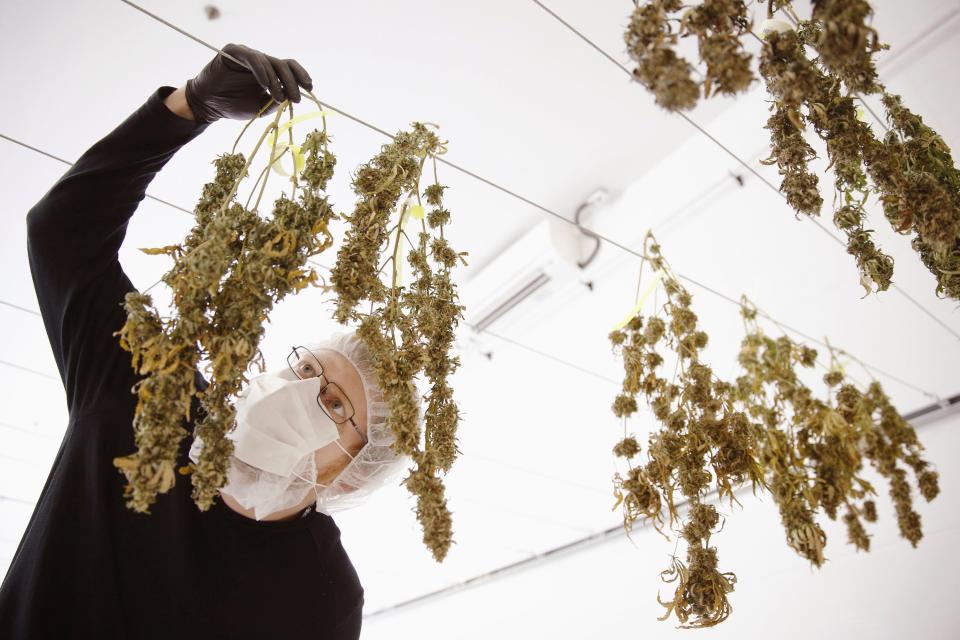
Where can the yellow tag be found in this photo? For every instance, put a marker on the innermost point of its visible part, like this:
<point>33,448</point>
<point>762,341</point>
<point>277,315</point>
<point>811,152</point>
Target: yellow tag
<point>297,119</point>
<point>636,309</point>
<point>298,161</point>
<point>839,366</point>
<point>407,211</point>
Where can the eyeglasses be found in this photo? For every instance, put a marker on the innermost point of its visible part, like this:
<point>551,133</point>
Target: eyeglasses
<point>332,399</point>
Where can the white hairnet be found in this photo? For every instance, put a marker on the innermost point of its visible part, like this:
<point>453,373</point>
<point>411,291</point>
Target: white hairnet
<point>377,463</point>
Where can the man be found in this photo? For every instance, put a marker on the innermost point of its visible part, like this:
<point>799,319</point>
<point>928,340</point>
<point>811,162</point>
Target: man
<point>263,563</point>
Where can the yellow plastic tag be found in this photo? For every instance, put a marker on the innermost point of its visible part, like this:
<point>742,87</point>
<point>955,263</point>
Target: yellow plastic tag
<point>636,309</point>
<point>298,161</point>
<point>838,366</point>
<point>297,119</point>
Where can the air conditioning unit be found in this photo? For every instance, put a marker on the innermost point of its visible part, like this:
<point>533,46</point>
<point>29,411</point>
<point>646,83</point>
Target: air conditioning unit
<point>510,292</point>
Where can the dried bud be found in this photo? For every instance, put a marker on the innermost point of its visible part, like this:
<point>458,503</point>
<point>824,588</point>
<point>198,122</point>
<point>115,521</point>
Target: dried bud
<point>230,270</point>
<point>845,43</point>
<point>627,448</point>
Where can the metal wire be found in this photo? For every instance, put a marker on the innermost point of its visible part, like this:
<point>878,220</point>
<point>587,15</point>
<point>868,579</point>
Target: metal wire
<point>567,220</point>
<point>19,308</point>
<point>741,162</point>
<point>623,247</point>
<point>29,432</point>
<point>35,372</point>
<point>548,356</point>
<point>67,162</point>
<point>536,205</point>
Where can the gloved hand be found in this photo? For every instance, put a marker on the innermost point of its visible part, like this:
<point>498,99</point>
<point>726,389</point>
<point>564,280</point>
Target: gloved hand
<point>224,89</point>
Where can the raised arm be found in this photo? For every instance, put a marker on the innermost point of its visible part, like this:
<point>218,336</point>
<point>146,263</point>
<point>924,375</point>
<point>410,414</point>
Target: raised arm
<point>74,233</point>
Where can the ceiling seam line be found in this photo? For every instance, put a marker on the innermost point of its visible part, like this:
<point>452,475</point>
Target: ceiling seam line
<point>574,546</point>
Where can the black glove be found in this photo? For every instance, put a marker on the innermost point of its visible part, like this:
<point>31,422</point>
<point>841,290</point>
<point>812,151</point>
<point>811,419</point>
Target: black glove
<point>224,89</point>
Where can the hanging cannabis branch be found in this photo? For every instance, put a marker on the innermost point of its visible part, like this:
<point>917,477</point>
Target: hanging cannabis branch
<point>407,329</point>
<point>814,450</point>
<point>767,429</point>
<point>702,441</point>
<point>231,269</point>
<point>911,168</point>
<point>718,25</point>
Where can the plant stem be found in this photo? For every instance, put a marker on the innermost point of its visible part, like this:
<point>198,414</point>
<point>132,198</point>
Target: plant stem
<point>249,122</point>
<point>396,247</point>
<point>273,150</point>
<point>272,126</point>
<point>293,178</point>
<point>260,177</point>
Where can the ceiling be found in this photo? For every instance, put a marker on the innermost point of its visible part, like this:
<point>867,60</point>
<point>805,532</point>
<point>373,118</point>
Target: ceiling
<point>531,107</point>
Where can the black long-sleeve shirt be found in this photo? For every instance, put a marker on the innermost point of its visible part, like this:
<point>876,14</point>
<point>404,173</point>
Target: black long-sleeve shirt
<point>89,567</point>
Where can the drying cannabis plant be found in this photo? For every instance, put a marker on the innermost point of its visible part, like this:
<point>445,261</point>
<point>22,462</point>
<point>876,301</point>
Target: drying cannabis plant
<point>703,442</point>
<point>804,94</point>
<point>814,450</point>
<point>767,429</point>
<point>910,167</point>
<point>919,185</point>
<point>717,25</point>
<point>407,329</point>
<point>227,274</point>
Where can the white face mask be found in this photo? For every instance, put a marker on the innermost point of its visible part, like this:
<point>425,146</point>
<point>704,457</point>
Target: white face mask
<point>278,425</point>
<point>279,422</point>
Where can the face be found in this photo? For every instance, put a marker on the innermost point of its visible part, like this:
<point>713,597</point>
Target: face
<point>330,460</point>
<point>337,369</point>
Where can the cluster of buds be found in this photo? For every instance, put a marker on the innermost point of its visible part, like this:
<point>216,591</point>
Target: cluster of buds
<point>767,430</point>
<point>703,443</point>
<point>911,167</point>
<point>718,25</point>
<point>232,267</point>
<point>407,329</point>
